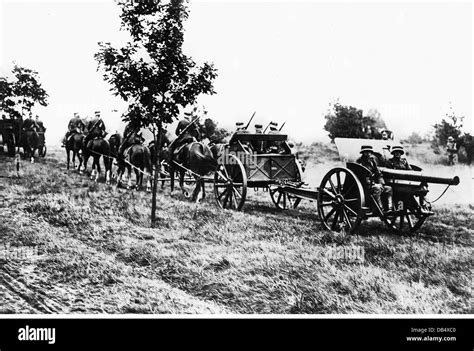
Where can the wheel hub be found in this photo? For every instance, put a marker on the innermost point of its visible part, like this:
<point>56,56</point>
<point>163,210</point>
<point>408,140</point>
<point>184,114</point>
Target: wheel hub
<point>339,200</point>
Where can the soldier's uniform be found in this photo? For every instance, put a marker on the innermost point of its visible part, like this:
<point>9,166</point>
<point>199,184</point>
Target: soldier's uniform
<point>190,134</point>
<point>259,146</point>
<point>95,128</point>
<point>130,137</point>
<point>375,180</point>
<point>76,125</point>
<point>451,148</point>
<point>41,127</point>
<point>30,124</point>
<point>398,162</point>
<point>274,146</point>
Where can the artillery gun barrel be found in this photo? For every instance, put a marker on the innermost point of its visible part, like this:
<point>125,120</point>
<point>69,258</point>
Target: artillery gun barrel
<point>417,176</point>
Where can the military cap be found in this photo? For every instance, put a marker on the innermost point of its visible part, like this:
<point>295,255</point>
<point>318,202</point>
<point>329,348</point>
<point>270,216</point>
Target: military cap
<point>97,113</point>
<point>366,148</point>
<point>258,126</point>
<point>239,124</point>
<point>398,148</point>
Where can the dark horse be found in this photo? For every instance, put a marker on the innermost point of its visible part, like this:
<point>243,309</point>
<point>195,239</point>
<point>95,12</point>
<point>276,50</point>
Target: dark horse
<point>98,148</point>
<point>114,141</point>
<point>75,143</point>
<point>139,157</point>
<point>136,156</point>
<point>196,157</point>
<point>31,143</point>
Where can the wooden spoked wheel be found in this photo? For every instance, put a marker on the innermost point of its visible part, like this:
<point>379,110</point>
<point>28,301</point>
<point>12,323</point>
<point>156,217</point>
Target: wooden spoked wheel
<point>341,201</point>
<point>283,200</point>
<point>230,184</point>
<point>407,219</point>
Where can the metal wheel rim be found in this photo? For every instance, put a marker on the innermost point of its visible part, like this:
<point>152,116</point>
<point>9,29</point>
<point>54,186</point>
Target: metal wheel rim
<point>230,194</point>
<point>341,205</point>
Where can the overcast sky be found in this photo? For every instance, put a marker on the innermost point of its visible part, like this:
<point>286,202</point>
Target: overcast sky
<point>285,60</point>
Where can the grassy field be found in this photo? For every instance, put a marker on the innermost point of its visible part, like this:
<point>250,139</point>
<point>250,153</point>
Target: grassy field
<point>96,253</point>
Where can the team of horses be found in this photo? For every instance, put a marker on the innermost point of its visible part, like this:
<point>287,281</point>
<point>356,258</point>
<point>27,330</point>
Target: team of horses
<point>195,156</point>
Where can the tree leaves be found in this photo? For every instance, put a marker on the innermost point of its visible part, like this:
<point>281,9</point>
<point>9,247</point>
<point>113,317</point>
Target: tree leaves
<point>152,70</point>
<point>22,93</point>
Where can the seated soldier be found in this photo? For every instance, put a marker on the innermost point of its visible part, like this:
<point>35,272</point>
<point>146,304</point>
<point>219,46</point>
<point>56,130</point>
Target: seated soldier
<point>95,128</point>
<point>375,180</point>
<point>401,163</point>
<point>76,125</point>
<point>274,147</point>
<point>259,146</point>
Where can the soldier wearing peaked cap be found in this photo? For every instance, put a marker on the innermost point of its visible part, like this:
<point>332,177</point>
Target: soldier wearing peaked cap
<point>375,181</point>
<point>185,132</point>
<point>273,146</point>
<point>240,128</point>
<point>259,146</point>
<point>273,128</point>
<point>397,161</point>
<point>452,151</point>
<point>95,128</point>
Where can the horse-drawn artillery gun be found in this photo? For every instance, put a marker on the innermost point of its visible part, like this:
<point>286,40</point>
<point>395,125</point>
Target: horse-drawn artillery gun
<point>344,199</point>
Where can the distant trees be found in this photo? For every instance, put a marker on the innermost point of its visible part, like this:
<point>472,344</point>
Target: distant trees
<point>451,126</point>
<point>349,122</point>
<point>19,95</point>
<point>414,138</point>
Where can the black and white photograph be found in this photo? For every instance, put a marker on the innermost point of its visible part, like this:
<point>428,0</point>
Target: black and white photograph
<point>229,159</point>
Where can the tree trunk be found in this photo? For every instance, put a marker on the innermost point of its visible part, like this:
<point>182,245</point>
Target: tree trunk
<point>158,142</point>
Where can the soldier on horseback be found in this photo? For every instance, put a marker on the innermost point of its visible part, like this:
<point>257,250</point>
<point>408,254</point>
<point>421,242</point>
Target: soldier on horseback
<point>76,125</point>
<point>95,128</point>
<point>131,136</point>
<point>30,124</point>
<point>186,133</point>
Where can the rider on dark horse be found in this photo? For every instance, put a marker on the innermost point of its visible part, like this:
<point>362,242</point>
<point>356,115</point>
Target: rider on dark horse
<point>76,125</point>
<point>131,136</point>
<point>30,124</point>
<point>95,128</point>
<point>191,133</point>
